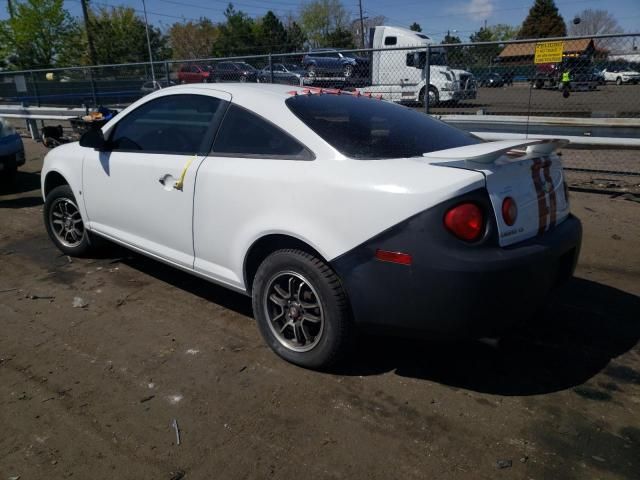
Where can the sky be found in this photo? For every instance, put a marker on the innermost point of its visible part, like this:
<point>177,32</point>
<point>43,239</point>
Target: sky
<point>461,17</point>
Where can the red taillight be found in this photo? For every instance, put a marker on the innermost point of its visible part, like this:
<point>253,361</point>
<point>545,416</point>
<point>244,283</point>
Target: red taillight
<point>509,211</point>
<point>393,257</point>
<point>465,221</point>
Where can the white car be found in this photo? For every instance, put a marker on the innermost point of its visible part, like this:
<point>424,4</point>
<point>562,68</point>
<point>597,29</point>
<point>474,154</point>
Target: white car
<point>334,211</point>
<point>621,75</point>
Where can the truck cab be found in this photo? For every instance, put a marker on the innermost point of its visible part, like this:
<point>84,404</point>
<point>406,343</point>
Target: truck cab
<point>400,74</point>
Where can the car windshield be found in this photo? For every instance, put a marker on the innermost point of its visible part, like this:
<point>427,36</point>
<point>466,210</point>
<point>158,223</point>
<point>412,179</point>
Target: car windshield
<point>365,128</point>
<point>292,66</point>
<point>244,66</point>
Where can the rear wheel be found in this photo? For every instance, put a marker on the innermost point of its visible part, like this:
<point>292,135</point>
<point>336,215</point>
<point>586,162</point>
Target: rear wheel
<point>64,223</point>
<point>618,81</point>
<point>301,309</point>
<point>311,71</point>
<point>243,79</point>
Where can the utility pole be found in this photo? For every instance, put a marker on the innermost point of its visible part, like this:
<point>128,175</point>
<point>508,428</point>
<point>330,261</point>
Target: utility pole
<point>146,26</point>
<point>361,22</point>
<point>87,27</point>
<point>10,8</point>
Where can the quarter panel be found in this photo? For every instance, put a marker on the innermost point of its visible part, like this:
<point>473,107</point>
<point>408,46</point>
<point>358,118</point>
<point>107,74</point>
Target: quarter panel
<point>333,205</point>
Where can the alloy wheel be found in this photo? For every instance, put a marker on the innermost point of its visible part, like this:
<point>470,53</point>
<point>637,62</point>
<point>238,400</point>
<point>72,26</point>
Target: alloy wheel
<point>294,312</point>
<point>66,222</point>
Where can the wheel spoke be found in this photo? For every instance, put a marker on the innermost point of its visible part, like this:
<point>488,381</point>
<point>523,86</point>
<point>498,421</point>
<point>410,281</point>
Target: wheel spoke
<point>308,306</point>
<point>304,333</point>
<point>57,214</point>
<point>296,334</point>
<point>291,286</point>
<point>281,292</point>
<point>299,292</point>
<point>311,318</point>
<point>284,327</point>
<point>277,300</point>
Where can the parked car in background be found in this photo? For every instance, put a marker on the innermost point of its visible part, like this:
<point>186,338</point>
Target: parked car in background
<point>598,76</point>
<point>492,80</point>
<point>194,74</point>
<point>621,75</point>
<point>11,150</point>
<point>332,211</point>
<point>286,73</point>
<point>151,86</point>
<point>234,72</point>
<point>332,62</point>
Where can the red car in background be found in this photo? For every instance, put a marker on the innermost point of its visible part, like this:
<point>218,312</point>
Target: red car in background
<point>194,74</point>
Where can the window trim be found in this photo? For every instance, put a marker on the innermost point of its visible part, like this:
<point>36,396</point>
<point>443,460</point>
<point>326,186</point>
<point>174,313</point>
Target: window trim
<point>311,156</point>
<point>207,141</point>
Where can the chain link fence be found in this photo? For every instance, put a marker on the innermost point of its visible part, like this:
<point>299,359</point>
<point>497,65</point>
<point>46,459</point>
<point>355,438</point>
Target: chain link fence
<point>584,88</point>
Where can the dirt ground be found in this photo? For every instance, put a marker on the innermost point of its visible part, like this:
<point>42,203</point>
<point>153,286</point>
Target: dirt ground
<point>91,392</point>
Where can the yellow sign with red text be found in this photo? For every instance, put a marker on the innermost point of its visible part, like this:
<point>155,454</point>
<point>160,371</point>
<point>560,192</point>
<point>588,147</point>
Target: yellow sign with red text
<point>549,52</point>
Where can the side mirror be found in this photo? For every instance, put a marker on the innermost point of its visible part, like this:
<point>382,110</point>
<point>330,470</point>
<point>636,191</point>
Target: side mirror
<point>94,138</point>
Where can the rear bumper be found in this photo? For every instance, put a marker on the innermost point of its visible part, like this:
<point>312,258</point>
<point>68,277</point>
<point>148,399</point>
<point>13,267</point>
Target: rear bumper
<point>11,152</point>
<point>452,289</point>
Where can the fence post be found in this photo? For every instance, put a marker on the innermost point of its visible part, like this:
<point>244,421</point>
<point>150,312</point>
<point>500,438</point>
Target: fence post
<point>270,69</point>
<point>427,79</point>
<point>166,72</point>
<point>94,93</point>
<point>35,88</point>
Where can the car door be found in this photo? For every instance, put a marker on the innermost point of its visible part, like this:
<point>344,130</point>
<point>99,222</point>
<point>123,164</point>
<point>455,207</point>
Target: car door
<point>139,191</point>
<point>251,156</point>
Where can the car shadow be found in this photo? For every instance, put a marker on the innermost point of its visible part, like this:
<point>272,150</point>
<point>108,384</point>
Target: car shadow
<point>583,327</point>
<point>22,182</point>
<point>219,295</point>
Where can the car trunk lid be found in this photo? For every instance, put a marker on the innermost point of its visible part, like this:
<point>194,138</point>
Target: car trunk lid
<point>528,171</point>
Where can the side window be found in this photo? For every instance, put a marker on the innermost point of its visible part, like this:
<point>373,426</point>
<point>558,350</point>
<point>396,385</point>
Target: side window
<point>243,133</point>
<point>179,124</point>
<point>195,69</point>
<point>390,40</point>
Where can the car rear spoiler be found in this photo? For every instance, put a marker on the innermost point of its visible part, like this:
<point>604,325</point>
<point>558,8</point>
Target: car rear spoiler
<point>489,152</point>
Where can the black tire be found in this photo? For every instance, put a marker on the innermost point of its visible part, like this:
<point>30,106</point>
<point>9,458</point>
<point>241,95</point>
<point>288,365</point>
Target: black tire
<point>311,71</point>
<point>434,98</point>
<point>60,195</point>
<point>618,81</point>
<point>348,71</point>
<point>332,340</point>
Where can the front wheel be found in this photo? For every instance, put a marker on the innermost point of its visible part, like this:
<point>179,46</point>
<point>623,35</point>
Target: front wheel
<point>348,71</point>
<point>301,309</point>
<point>64,224</point>
<point>434,96</point>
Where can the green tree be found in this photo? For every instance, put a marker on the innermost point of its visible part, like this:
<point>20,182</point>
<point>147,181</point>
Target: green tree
<point>321,17</point>
<point>543,21</point>
<point>193,39</point>
<point>455,55</point>
<point>237,34</point>
<point>295,38</point>
<point>119,37</point>
<point>340,38</point>
<point>271,36</point>
<point>415,27</point>
<point>40,34</point>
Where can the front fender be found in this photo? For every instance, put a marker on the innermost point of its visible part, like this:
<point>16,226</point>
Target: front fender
<point>66,161</point>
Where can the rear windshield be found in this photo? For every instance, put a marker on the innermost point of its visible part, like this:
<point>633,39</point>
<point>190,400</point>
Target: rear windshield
<point>366,128</point>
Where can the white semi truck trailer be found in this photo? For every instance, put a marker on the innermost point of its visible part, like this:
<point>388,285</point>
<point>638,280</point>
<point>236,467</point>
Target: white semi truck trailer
<point>401,76</point>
